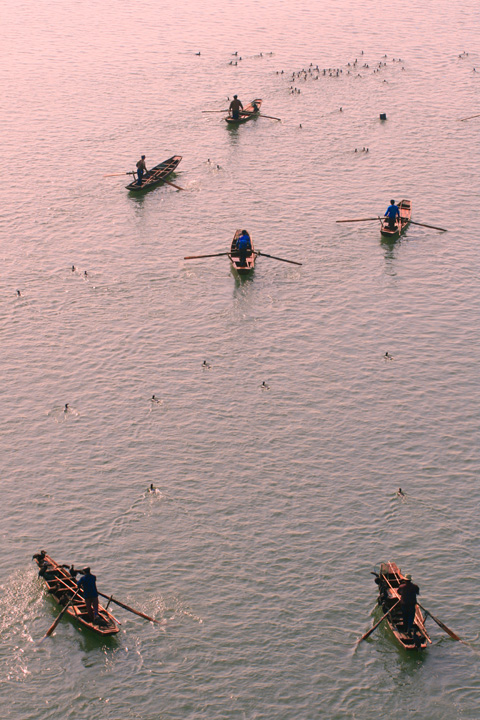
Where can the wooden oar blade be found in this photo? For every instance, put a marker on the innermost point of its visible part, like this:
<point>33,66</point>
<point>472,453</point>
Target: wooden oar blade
<point>293,262</point>
<point>215,111</point>
<point>197,257</point>
<point>369,632</point>
<point>469,118</point>
<point>167,182</point>
<point>357,220</point>
<point>127,607</point>
<point>446,629</point>
<point>433,227</point>
<point>59,617</point>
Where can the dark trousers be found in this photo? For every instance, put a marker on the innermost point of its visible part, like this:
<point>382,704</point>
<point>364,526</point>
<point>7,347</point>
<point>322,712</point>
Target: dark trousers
<point>391,222</point>
<point>140,176</point>
<point>92,607</point>
<point>243,256</point>
<point>408,613</point>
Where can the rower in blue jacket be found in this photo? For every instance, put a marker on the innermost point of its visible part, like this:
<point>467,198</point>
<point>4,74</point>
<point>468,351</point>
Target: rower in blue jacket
<point>244,247</point>
<point>392,213</point>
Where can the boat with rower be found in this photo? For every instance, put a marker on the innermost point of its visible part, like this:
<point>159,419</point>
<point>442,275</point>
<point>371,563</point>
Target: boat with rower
<point>234,256</point>
<point>63,588</point>
<point>401,223</point>
<point>388,579</point>
<point>249,112</point>
<point>155,175</point>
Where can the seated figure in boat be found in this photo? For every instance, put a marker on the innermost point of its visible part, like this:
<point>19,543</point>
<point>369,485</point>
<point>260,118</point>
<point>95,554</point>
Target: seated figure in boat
<point>235,107</point>
<point>244,247</point>
<point>392,213</point>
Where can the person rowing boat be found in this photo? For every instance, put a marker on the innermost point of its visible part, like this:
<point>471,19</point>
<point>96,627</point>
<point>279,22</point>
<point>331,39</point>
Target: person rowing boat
<point>408,592</point>
<point>141,168</point>
<point>244,247</point>
<point>88,584</point>
<point>392,212</point>
<point>235,107</point>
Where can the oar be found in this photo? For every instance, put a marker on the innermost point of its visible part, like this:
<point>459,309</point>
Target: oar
<point>196,257</point>
<point>469,118</point>
<point>59,617</point>
<point>358,219</point>
<point>293,262</point>
<point>249,112</point>
<point>119,174</point>
<point>433,227</point>
<point>214,111</point>
<point>167,182</point>
<point>440,624</point>
<point>367,634</point>
<point>110,598</point>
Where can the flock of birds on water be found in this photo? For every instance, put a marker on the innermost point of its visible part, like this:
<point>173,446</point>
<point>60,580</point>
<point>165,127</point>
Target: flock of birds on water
<point>313,72</point>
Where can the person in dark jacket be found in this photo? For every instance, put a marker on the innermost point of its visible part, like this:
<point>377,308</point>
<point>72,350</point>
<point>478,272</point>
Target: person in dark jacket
<point>88,584</point>
<point>408,592</point>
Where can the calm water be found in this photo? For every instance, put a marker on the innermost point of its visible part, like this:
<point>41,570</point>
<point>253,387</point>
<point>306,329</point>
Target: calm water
<point>273,505</point>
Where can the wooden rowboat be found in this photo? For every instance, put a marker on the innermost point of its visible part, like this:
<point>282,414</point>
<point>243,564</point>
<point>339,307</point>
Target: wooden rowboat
<point>156,175</point>
<point>401,223</point>
<point>62,586</point>
<point>235,256</point>
<point>249,111</point>
<point>388,580</point>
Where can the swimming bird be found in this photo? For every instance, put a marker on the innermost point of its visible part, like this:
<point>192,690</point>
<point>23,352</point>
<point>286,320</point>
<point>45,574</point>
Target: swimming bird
<point>73,268</point>
<point>19,294</point>
<point>400,492</point>
<point>264,386</point>
<point>154,399</point>
<point>387,356</point>
<point>206,365</point>
<point>65,409</point>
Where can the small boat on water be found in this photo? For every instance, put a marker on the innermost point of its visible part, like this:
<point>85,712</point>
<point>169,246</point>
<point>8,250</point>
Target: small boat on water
<point>234,256</point>
<point>62,586</point>
<point>388,580</point>
<point>155,175</point>
<point>401,223</point>
<point>248,113</point>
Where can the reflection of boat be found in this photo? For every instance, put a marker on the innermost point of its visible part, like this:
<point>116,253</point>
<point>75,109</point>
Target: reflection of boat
<point>156,175</point>
<point>388,580</point>
<point>62,586</point>
<point>401,222</point>
<point>249,111</point>
<point>235,256</point>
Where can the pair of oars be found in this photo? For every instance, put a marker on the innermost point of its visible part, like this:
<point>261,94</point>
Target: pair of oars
<point>413,222</point>
<point>245,112</point>
<point>167,182</point>
<point>257,252</point>
<point>444,627</point>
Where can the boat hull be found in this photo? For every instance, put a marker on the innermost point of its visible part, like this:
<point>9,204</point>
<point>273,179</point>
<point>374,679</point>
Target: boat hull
<point>61,586</point>
<point>234,257</point>
<point>388,580</point>
<point>245,118</point>
<point>401,225</point>
<point>156,175</point>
